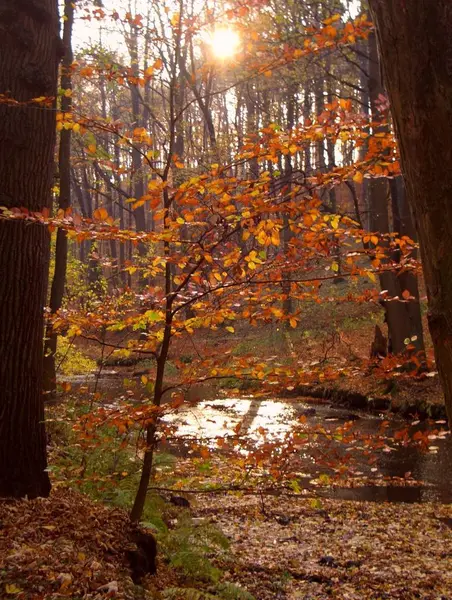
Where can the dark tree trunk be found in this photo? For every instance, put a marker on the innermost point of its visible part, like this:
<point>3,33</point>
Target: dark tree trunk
<point>137,163</point>
<point>64,201</point>
<point>29,53</point>
<point>403,224</point>
<point>399,329</point>
<point>287,302</point>
<point>416,53</point>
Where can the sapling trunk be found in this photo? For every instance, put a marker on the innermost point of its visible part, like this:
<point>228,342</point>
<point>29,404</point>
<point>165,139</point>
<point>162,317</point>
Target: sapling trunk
<point>140,498</point>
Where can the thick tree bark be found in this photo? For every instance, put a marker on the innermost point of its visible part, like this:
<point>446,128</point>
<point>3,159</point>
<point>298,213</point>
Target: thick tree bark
<point>416,52</point>
<point>29,53</point>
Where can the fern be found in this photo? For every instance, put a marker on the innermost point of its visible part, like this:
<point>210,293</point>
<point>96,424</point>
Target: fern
<point>190,545</point>
<point>225,591</point>
<point>231,591</point>
<point>187,594</point>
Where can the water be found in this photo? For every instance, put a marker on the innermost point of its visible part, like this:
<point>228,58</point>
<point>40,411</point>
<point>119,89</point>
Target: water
<point>400,473</point>
<point>376,467</point>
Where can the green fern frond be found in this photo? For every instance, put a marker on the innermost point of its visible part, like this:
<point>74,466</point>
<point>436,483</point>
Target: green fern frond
<point>231,591</point>
<point>187,594</point>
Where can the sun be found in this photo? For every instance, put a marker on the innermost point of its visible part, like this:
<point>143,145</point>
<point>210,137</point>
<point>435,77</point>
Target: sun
<point>224,42</point>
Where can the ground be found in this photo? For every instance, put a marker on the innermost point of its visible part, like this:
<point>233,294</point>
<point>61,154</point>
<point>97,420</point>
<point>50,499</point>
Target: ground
<point>286,548</point>
<point>343,550</point>
<point>281,548</point>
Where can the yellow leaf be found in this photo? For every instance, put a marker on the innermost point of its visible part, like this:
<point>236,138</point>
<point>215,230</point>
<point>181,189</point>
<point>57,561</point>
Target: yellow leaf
<point>335,267</point>
<point>358,177</point>
<point>154,185</point>
<point>144,379</point>
<point>335,221</point>
<point>374,239</point>
<point>12,588</point>
<point>138,203</point>
<point>230,329</point>
<point>92,148</point>
<point>293,322</point>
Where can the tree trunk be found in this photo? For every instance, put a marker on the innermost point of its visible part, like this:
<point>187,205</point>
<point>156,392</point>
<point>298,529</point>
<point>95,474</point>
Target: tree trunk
<point>403,224</point>
<point>29,53</point>
<point>416,53</point>
<point>397,319</point>
<point>64,201</point>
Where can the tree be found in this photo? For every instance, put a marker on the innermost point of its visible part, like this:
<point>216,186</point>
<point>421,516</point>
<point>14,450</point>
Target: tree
<point>29,53</point>
<point>64,201</point>
<point>416,53</point>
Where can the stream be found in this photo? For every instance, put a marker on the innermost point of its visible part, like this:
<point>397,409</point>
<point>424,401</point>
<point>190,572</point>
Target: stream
<point>399,472</point>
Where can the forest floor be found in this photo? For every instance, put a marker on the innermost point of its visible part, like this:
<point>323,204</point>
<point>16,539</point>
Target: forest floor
<point>282,548</point>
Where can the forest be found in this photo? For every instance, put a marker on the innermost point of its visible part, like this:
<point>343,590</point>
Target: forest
<point>225,299</point>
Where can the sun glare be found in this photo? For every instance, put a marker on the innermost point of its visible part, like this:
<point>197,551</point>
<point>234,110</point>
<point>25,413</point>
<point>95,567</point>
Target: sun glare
<point>224,42</point>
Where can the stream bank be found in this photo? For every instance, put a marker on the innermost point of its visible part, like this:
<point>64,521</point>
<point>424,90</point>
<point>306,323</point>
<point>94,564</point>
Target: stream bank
<point>418,407</point>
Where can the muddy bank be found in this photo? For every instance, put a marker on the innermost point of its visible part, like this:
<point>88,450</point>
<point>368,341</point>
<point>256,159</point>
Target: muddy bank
<point>419,407</point>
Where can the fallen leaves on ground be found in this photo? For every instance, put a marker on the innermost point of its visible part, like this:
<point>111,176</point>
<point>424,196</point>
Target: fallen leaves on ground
<point>290,549</point>
<point>282,548</point>
<point>65,546</point>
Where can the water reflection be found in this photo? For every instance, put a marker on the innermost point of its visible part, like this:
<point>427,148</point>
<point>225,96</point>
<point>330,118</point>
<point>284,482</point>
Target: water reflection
<point>210,418</point>
<point>250,416</point>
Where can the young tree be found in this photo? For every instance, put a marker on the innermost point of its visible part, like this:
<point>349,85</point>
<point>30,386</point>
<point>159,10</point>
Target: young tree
<point>29,52</point>
<point>416,53</point>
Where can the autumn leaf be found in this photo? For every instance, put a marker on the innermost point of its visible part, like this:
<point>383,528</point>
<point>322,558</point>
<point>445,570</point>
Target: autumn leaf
<point>100,214</point>
<point>12,588</point>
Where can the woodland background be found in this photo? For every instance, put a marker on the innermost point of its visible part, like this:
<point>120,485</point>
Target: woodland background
<point>227,224</point>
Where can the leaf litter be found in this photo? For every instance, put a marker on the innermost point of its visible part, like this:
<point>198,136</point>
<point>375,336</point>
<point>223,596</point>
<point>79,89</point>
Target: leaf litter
<point>282,548</point>
<point>299,548</point>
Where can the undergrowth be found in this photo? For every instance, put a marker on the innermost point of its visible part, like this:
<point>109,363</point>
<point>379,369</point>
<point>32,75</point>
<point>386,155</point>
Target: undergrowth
<point>70,360</point>
<point>107,470</point>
